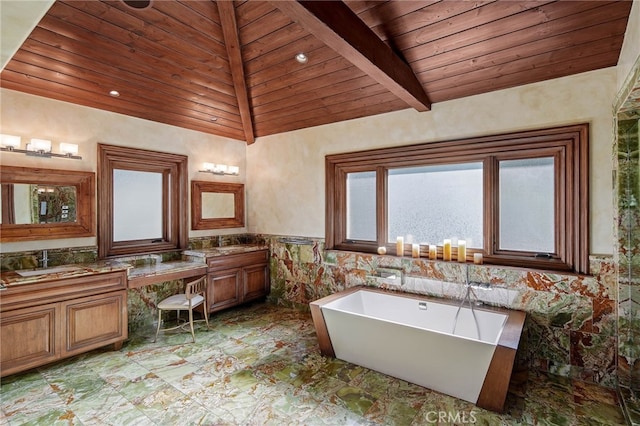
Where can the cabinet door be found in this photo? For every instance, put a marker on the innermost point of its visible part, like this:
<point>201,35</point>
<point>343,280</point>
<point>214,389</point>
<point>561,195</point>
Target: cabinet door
<point>29,337</point>
<point>95,321</point>
<point>256,282</point>
<point>223,289</point>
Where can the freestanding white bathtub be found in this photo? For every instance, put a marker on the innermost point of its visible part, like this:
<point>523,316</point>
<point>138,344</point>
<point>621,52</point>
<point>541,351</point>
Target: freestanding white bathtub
<point>413,338</point>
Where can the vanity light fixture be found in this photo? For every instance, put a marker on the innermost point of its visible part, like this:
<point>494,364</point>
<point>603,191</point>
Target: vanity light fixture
<point>38,147</point>
<point>10,142</point>
<point>220,169</point>
<point>302,58</point>
<point>41,146</point>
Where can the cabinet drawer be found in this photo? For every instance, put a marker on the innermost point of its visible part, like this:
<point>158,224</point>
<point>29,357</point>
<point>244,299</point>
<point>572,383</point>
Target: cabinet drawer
<point>237,260</point>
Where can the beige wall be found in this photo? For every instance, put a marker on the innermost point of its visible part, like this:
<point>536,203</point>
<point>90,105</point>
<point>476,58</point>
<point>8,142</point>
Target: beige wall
<point>286,171</point>
<point>33,116</point>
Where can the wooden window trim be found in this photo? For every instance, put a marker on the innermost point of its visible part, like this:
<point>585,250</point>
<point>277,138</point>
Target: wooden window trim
<point>568,144</point>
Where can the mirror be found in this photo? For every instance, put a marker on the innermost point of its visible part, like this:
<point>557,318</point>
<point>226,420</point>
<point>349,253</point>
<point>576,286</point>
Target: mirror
<point>216,205</point>
<point>45,204</point>
<point>24,204</point>
<point>143,200</point>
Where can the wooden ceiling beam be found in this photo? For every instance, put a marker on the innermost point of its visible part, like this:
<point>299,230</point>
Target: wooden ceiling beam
<point>227,12</point>
<point>341,29</point>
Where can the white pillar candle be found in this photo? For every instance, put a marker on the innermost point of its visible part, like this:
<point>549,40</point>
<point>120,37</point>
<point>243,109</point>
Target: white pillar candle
<point>462,251</point>
<point>433,251</point>
<point>446,250</point>
<point>400,246</point>
<point>477,258</point>
<point>415,250</point>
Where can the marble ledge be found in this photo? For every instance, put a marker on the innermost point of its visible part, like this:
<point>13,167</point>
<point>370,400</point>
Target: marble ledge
<point>224,250</point>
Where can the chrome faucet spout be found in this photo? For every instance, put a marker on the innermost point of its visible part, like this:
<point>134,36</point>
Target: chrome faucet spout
<point>44,259</point>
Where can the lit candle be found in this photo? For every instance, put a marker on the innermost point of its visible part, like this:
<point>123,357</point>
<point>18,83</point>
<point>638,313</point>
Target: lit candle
<point>477,258</point>
<point>415,250</point>
<point>462,251</point>
<point>382,250</point>
<point>433,251</point>
<point>446,250</point>
<point>400,246</point>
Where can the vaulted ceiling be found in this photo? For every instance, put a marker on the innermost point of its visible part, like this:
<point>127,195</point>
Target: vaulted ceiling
<point>228,68</point>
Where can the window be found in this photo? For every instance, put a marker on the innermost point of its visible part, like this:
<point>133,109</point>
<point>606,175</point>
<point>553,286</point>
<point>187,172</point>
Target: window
<point>142,196</point>
<point>521,199</point>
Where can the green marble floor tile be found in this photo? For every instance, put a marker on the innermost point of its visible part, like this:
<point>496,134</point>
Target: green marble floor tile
<point>354,399</point>
<point>57,417</point>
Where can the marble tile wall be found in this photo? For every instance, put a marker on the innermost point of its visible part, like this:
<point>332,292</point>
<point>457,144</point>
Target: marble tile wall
<point>628,200</point>
<point>627,214</point>
<point>571,322</point>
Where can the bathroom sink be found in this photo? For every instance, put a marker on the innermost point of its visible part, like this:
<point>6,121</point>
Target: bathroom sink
<point>55,270</point>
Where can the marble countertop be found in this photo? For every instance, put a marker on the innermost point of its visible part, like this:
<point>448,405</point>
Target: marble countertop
<point>164,268</point>
<point>193,263</point>
<point>30,276</point>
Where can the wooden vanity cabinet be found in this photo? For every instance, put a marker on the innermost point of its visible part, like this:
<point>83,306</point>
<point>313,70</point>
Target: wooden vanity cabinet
<point>237,278</point>
<point>54,319</point>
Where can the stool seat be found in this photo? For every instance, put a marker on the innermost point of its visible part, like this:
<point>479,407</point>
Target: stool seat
<point>179,302</point>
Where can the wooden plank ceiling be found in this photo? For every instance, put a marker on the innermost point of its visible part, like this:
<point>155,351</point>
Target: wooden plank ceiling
<point>228,68</point>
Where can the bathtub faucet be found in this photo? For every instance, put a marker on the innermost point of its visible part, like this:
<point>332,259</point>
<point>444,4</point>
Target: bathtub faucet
<point>468,295</point>
<point>483,286</point>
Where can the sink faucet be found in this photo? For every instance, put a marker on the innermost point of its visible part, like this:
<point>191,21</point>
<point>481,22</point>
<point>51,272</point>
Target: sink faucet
<point>45,259</point>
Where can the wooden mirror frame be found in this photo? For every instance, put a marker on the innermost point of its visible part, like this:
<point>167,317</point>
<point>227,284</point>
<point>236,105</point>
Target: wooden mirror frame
<point>85,224</point>
<point>200,187</point>
<point>173,167</point>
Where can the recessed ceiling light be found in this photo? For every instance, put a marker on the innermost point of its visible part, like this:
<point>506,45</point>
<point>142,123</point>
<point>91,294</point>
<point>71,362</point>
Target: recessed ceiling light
<point>214,118</point>
<point>302,58</point>
<point>114,93</point>
<point>138,4</point>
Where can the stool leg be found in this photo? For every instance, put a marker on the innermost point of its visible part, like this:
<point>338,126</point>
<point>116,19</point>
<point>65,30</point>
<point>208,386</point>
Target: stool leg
<point>193,335</point>
<point>158,328</point>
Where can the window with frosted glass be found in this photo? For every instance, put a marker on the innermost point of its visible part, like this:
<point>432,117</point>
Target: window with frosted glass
<point>430,203</point>
<point>131,190</point>
<point>361,206</point>
<point>527,211</point>
<point>519,199</point>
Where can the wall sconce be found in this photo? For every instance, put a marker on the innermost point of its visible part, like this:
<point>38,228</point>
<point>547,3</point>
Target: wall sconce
<point>220,169</point>
<point>38,147</point>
